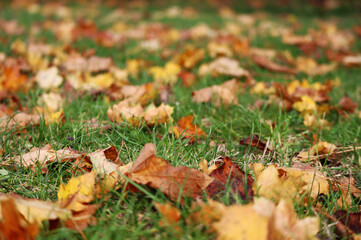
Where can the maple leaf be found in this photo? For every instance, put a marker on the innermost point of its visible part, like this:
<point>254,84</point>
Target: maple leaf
<point>157,173</point>
<point>321,148</point>
<point>20,218</point>
<point>141,94</point>
<point>171,215</point>
<point>49,78</point>
<point>13,225</point>
<point>289,183</point>
<point>190,57</point>
<point>306,104</point>
<point>43,156</point>
<point>78,192</point>
<point>186,129</point>
<point>52,101</point>
<point>348,105</point>
<point>266,63</point>
<point>203,165</point>
<point>224,93</point>
<point>205,213</point>
<point>225,66</point>
<point>12,80</point>
<point>166,75</point>
<point>100,162</point>
<point>254,142</point>
<point>310,66</point>
<point>230,175</point>
<point>187,78</point>
<point>19,120</point>
<point>263,220</point>
<point>134,115</point>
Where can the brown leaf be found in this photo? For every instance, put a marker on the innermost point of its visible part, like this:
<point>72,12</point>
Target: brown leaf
<point>266,63</point>
<point>157,173</point>
<point>254,142</point>
<point>349,222</point>
<point>230,175</point>
<point>348,105</point>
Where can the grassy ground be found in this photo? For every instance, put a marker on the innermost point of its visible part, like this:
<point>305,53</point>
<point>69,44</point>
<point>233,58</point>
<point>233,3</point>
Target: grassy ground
<point>133,216</point>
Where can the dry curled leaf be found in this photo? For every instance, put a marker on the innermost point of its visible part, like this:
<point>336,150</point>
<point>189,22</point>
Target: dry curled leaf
<point>43,156</point>
<point>266,63</point>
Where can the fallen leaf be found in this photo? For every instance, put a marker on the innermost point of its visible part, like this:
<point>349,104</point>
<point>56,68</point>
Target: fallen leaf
<point>351,61</point>
<point>190,57</point>
<point>222,94</point>
<point>187,130</point>
<point>229,175</point>
<point>266,63</point>
<point>225,66</point>
<point>205,213</point>
<point>158,115</point>
<point>310,66</point>
<point>34,210</point>
<point>100,162</point>
<point>319,149</point>
<point>254,142</point>
<point>348,105</point>
<point>306,104</point>
<point>263,220</point>
<point>12,79</point>
<point>348,223</point>
<point>187,78</point>
<point>49,79</point>
<point>77,194</point>
<point>290,183</point>
<point>203,165</point>
<point>167,74</point>
<point>43,156</point>
<point>171,215</point>
<point>13,225</point>
<point>157,173</point>
<point>52,101</point>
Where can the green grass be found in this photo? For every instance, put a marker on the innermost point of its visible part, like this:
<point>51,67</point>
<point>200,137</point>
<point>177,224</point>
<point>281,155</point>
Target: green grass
<point>133,216</point>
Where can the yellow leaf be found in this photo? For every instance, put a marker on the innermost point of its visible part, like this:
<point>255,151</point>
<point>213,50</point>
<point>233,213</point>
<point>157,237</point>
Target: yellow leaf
<point>290,183</point>
<point>78,192</point>
<point>306,104</point>
<point>263,220</point>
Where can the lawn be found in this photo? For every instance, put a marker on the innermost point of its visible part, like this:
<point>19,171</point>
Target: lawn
<point>86,76</point>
